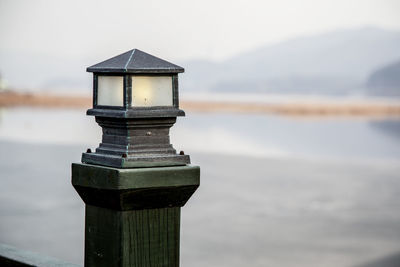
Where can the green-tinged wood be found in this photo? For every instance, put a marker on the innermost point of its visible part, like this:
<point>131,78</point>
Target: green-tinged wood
<point>103,177</point>
<point>133,215</point>
<point>139,188</point>
<point>135,238</point>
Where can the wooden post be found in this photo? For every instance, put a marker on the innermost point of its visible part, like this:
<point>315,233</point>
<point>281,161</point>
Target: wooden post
<point>133,215</point>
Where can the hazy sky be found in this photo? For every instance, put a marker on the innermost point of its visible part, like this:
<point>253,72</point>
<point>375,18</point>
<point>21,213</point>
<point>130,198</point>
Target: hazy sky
<point>178,29</point>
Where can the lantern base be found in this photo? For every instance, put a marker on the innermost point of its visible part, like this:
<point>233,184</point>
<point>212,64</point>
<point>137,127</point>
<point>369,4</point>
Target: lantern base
<point>137,161</point>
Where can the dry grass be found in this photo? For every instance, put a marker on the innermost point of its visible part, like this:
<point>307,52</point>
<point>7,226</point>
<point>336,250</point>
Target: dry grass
<point>303,109</point>
<point>12,99</point>
<point>367,109</point>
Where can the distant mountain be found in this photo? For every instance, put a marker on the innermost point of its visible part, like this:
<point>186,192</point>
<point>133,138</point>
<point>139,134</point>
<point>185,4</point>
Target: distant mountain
<point>337,62</point>
<point>385,80</point>
<point>26,70</point>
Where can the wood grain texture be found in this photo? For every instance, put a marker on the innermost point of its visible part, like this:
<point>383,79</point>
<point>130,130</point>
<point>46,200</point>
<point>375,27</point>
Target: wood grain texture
<point>133,215</point>
<point>148,237</point>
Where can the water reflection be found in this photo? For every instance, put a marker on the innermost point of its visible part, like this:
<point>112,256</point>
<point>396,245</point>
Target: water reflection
<point>235,134</point>
<point>388,127</point>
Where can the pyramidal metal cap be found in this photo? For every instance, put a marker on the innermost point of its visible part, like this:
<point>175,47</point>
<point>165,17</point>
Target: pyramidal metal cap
<point>135,61</point>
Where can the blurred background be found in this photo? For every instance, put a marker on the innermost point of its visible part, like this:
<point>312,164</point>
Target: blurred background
<point>292,112</point>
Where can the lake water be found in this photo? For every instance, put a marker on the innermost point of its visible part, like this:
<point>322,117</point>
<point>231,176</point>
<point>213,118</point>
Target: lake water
<point>236,134</point>
<point>276,191</point>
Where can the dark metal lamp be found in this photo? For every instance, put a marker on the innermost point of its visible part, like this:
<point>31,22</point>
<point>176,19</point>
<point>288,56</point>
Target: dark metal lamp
<point>135,101</point>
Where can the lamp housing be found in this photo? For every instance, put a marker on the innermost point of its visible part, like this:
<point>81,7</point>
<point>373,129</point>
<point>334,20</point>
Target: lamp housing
<point>135,101</point>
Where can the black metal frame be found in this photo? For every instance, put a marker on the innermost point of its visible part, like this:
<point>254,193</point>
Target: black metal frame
<point>95,91</point>
<point>127,91</point>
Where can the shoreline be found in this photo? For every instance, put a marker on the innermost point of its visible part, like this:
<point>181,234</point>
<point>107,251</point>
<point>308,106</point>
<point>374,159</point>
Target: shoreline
<point>345,109</point>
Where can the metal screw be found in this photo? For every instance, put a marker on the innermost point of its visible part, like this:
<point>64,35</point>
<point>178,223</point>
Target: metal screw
<point>148,133</point>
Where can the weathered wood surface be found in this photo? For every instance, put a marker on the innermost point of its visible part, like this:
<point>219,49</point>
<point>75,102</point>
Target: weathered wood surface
<point>133,215</point>
<point>103,177</point>
<point>13,257</point>
<point>137,238</point>
<point>136,188</point>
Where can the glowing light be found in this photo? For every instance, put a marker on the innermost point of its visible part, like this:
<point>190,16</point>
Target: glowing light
<point>152,91</point>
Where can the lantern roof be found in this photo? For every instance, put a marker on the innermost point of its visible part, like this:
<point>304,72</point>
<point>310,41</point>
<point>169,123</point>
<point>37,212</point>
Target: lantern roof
<point>135,61</point>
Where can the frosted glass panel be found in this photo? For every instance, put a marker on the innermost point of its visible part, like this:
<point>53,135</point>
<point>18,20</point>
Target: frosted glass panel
<point>110,90</point>
<point>151,91</point>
